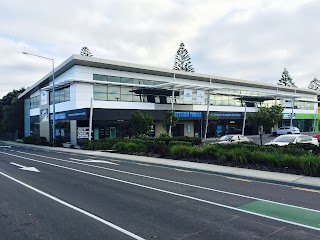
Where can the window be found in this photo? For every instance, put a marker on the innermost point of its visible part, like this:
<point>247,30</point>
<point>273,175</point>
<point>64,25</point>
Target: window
<point>34,102</point>
<point>61,95</point>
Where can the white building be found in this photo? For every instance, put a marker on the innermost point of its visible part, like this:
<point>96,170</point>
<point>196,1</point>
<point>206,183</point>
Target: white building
<point>116,89</point>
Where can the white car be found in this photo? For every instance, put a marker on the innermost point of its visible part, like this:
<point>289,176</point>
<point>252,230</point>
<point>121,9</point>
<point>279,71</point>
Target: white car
<point>287,130</point>
<point>233,139</point>
<point>293,139</point>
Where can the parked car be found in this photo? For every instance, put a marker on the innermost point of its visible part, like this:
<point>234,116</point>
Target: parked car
<point>286,130</point>
<point>317,137</point>
<point>293,139</point>
<point>233,139</point>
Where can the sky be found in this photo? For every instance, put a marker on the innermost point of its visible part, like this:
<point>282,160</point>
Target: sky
<point>249,39</point>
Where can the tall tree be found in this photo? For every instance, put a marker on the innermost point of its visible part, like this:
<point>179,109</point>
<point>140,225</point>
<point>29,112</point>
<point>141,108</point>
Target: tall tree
<point>314,84</point>
<point>85,52</point>
<point>268,117</point>
<point>286,80</point>
<point>11,113</point>
<point>182,60</point>
<point>169,121</point>
<point>140,123</point>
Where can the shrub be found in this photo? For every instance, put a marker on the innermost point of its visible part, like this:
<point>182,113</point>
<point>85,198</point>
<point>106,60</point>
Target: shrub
<point>41,141</point>
<point>29,140</point>
<point>239,155</point>
<point>310,165</point>
<point>172,143</point>
<point>180,151</point>
<point>161,148</point>
<point>120,147</point>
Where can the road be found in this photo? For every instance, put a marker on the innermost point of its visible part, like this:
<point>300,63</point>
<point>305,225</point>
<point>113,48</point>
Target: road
<point>47,194</point>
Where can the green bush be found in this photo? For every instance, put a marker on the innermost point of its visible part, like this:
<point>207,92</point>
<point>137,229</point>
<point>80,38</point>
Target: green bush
<point>180,151</point>
<point>41,141</point>
<point>173,143</point>
<point>239,155</point>
<point>29,140</point>
<point>120,147</point>
<point>161,148</point>
<point>310,165</point>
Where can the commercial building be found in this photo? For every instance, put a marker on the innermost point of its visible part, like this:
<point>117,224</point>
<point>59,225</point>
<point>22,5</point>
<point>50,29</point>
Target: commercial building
<point>103,94</point>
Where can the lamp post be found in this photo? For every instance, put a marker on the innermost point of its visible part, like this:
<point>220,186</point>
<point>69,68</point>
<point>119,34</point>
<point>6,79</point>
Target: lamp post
<point>53,93</point>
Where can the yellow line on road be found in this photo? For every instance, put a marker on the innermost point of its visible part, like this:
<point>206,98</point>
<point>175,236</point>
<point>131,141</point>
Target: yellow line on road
<point>307,190</point>
<point>239,179</point>
<point>181,170</point>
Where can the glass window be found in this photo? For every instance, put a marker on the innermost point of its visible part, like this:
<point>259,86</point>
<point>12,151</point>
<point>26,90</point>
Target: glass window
<point>126,80</point>
<point>137,81</point>
<point>113,79</point>
<point>100,77</point>
<point>113,93</point>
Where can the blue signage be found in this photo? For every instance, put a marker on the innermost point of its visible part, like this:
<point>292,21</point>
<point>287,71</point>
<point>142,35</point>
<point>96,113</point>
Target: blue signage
<point>188,114</point>
<point>226,114</point>
<point>69,115</point>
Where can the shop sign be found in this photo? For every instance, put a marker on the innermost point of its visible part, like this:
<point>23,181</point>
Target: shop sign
<point>44,116</point>
<point>83,132</point>
<point>187,95</point>
<point>200,96</point>
<point>226,114</point>
<point>44,97</point>
<point>288,115</point>
<point>188,114</point>
<point>287,102</point>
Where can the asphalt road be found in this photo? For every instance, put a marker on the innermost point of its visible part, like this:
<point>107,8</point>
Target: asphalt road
<point>77,196</point>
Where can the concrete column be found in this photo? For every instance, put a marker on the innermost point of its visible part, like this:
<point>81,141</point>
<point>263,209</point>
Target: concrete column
<point>73,132</point>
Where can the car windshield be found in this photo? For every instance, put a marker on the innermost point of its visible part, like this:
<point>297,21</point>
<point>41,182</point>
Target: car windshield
<point>225,138</point>
<point>285,139</point>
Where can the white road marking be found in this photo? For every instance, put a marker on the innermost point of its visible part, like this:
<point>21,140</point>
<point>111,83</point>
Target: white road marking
<point>173,193</point>
<point>93,161</point>
<point>5,146</point>
<point>171,181</point>
<point>31,169</point>
<point>76,208</point>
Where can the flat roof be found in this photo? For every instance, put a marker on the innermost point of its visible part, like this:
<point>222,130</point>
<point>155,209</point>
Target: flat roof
<point>136,68</point>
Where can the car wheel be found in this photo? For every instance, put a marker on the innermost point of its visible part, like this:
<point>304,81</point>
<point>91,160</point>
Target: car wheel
<point>289,133</point>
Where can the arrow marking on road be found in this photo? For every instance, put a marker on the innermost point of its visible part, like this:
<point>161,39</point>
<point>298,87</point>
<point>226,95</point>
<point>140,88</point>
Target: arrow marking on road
<point>31,169</point>
<point>93,161</point>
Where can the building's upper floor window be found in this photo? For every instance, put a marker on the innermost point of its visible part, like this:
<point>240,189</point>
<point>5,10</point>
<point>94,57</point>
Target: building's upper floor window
<point>34,102</point>
<point>61,95</point>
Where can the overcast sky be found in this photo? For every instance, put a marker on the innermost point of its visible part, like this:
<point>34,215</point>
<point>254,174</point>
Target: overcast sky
<point>248,39</point>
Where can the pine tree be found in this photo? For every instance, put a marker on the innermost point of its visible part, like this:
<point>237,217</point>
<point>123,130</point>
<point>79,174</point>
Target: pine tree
<point>286,80</point>
<point>314,84</point>
<point>182,60</point>
<point>85,52</point>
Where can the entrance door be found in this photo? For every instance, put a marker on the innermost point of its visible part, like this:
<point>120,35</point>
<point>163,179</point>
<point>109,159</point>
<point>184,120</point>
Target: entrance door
<point>178,130</point>
<point>113,132</point>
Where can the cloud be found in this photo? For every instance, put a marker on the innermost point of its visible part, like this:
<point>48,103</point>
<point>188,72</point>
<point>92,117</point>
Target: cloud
<point>249,39</point>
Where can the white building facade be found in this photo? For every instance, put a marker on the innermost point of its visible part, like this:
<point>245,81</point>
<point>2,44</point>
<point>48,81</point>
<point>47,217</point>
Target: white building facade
<point>113,90</point>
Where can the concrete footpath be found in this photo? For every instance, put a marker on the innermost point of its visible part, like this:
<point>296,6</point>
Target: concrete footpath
<point>257,175</point>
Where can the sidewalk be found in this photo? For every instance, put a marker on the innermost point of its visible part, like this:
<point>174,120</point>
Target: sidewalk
<point>271,177</point>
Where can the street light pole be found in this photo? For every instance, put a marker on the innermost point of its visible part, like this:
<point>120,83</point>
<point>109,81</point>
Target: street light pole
<point>53,93</point>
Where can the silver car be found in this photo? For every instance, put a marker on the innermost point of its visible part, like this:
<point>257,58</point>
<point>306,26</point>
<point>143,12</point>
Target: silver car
<point>233,139</point>
<point>293,139</point>
<point>287,130</point>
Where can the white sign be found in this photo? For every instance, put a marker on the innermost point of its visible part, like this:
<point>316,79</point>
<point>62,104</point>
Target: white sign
<point>187,95</point>
<point>288,115</point>
<point>83,132</point>
<point>44,117</point>
<point>200,96</point>
<point>44,97</point>
<point>287,102</point>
